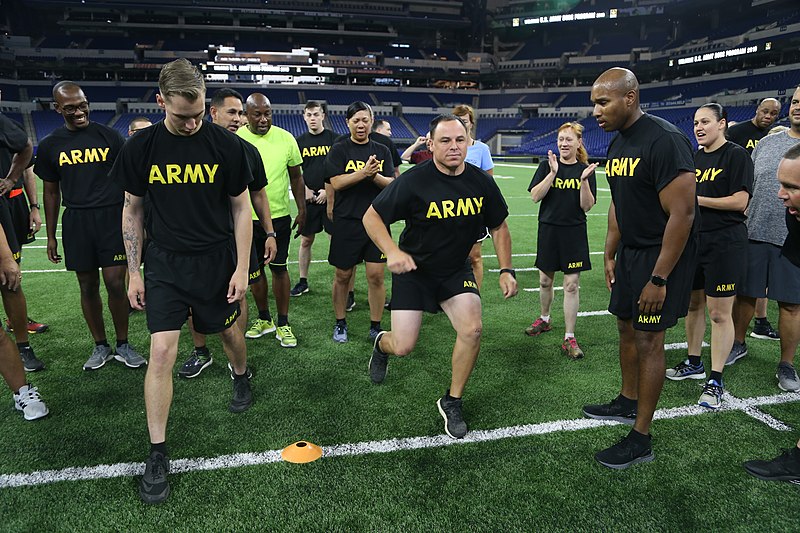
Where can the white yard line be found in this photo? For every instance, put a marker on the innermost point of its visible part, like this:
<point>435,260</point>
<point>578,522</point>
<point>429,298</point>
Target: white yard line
<point>43,477</point>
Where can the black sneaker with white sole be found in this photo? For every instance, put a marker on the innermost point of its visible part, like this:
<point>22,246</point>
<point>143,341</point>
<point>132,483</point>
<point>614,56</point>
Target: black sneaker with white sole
<point>299,289</point>
<point>378,362</point>
<point>635,448</point>
<point>197,362</point>
<point>154,486</point>
<point>450,409</point>
<point>242,395</point>
<point>619,409</point>
<point>762,329</point>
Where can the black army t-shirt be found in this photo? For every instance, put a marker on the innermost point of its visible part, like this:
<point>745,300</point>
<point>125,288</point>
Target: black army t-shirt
<point>388,143</point>
<point>314,149</point>
<point>561,206</point>
<point>723,172</point>
<point>746,135</point>
<point>347,157</point>
<point>443,214</point>
<point>80,160</point>
<point>642,160</point>
<point>13,140</point>
<point>187,182</point>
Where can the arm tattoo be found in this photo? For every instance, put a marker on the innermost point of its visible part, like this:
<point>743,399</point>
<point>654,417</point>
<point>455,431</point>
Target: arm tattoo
<point>132,241</point>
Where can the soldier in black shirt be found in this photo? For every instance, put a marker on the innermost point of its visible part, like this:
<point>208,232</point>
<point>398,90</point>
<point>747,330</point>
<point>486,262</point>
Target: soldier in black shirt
<point>649,252</point>
<point>444,203</point>
<point>195,176</point>
<point>314,147</point>
<point>747,134</point>
<point>74,162</point>
<point>15,154</point>
<point>786,467</point>
<point>724,175</point>
<point>357,169</point>
<point>567,188</point>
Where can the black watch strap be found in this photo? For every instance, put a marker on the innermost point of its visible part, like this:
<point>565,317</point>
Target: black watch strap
<point>658,281</point>
<point>510,271</point>
<point>271,234</point>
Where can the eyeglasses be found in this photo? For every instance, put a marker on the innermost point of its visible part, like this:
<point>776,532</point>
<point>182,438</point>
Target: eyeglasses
<point>71,109</point>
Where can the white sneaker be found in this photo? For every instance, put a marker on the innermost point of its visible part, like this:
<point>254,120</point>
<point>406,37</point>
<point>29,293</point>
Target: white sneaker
<point>30,403</point>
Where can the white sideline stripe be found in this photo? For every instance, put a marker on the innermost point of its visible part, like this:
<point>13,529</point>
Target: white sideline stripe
<point>594,313</point>
<point>43,477</point>
<point>536,215</point>
<point>537,289</point>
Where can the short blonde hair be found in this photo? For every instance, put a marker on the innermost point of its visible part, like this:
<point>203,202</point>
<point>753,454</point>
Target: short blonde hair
<point>181,78</point>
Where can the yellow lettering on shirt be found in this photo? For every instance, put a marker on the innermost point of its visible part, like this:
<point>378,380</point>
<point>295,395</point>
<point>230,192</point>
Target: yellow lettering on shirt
<point>80,157</point>
<point>450,209</point>
<point>708,174</point>
<point>172,173</point>
<point>314,151</point>
<point>465,207</point>
<point>622,166</point>
<point>353,166</point>
<point>569,183</point>
<point>751,143</point>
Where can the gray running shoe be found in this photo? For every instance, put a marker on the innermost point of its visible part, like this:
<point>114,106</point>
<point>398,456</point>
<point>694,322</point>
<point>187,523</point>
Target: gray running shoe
<point>28,401</point>
<point>29,360</point>
<point>126,354</point>
<point>454,424</point>
<point>340,333</point>
<point>738,350</point>
<point>787,378</point>
<point>99,356</point>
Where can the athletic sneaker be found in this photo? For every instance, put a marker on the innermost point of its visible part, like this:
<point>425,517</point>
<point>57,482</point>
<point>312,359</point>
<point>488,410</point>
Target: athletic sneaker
<point>538,327</point>
<point>351,302</point>
<point>154,487</point>
<point>249,372</point>
<point>29,360</point>
<point>738,350</point>
<point>615,410</point>
<point>340,333</point>
<point>197,362</point>
<point>787,377</point>
<point>299,289</point>
<point>571,349</point>
<point>450,410</point>
<point>627,452</point>
<point>99,356</point>
<point>785,467</point>
<point>126,354</point>
<point>378,362</point>
<point>686,370</point>
<point>242,395</point>
<point>285,335</point>
<point>711,396</point>
<point>28,401</point>
<point>763,330</point>
<point>33,326</point>
<point>373,332</point>
<point>260,328</point>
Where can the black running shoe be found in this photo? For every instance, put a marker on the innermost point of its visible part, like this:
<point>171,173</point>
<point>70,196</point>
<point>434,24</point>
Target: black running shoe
<point>351,302</point>
<point>379,361</point>
<point>29,360</point>
<point>242,395</point>
<point>196,363</point>
<point>785,467</point>
<point>450,410</point>
<point>616,410</point>
<point>299,289</point>
<point>627,452</point>
<point>153,486</point>
<point>762,329</point>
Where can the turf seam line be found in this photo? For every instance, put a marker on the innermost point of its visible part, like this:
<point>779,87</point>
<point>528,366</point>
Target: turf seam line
<point>43,477</point>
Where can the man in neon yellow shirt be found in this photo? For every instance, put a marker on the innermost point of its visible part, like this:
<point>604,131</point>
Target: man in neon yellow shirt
<point>282,162</point>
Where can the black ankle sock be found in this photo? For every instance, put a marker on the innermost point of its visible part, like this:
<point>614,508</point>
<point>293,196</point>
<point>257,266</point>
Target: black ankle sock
<point>120,342</point>
<point>762,321</point>
<point>103,342</point>
<point>351,295</point>
<point>264,315</point>
<point>22,345</point>
<point>716,376</point>
<point>449,397</point>
<point>201,349</point>
<point>375,324</point>
<point>341,322</point>
<point>639,437</point>
<point>303,281</point>
<point>283,320</point>
<point>627,402</point>
<point>695,360</point>
<point>161,448</point>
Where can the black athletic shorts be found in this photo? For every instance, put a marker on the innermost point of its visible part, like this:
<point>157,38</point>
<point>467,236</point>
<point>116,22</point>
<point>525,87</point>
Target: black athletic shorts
<point>8,228</point>
<point>351,245</point>
<point>721,261</point>
<point>176,283</point>
<point>316,220</point>
<point>562,249</point>
<point>633,272</point>
<point>422,291</point>
<point>254,268</point>
<point>282,226</point>
<point>93,238</point>
<point>20,215</point>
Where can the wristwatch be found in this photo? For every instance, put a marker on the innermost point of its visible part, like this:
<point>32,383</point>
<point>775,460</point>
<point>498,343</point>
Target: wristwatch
<point>34,206</point>
<point>272,234</point>
<point>658,281</point>
<point>510,271</point>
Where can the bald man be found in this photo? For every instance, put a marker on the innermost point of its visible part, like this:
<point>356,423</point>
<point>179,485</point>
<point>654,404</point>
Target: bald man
<point>747,134</point>
<point>74,162</point>
<point>282,161</point>
<point>139,123</point>
<point>649,253</point>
